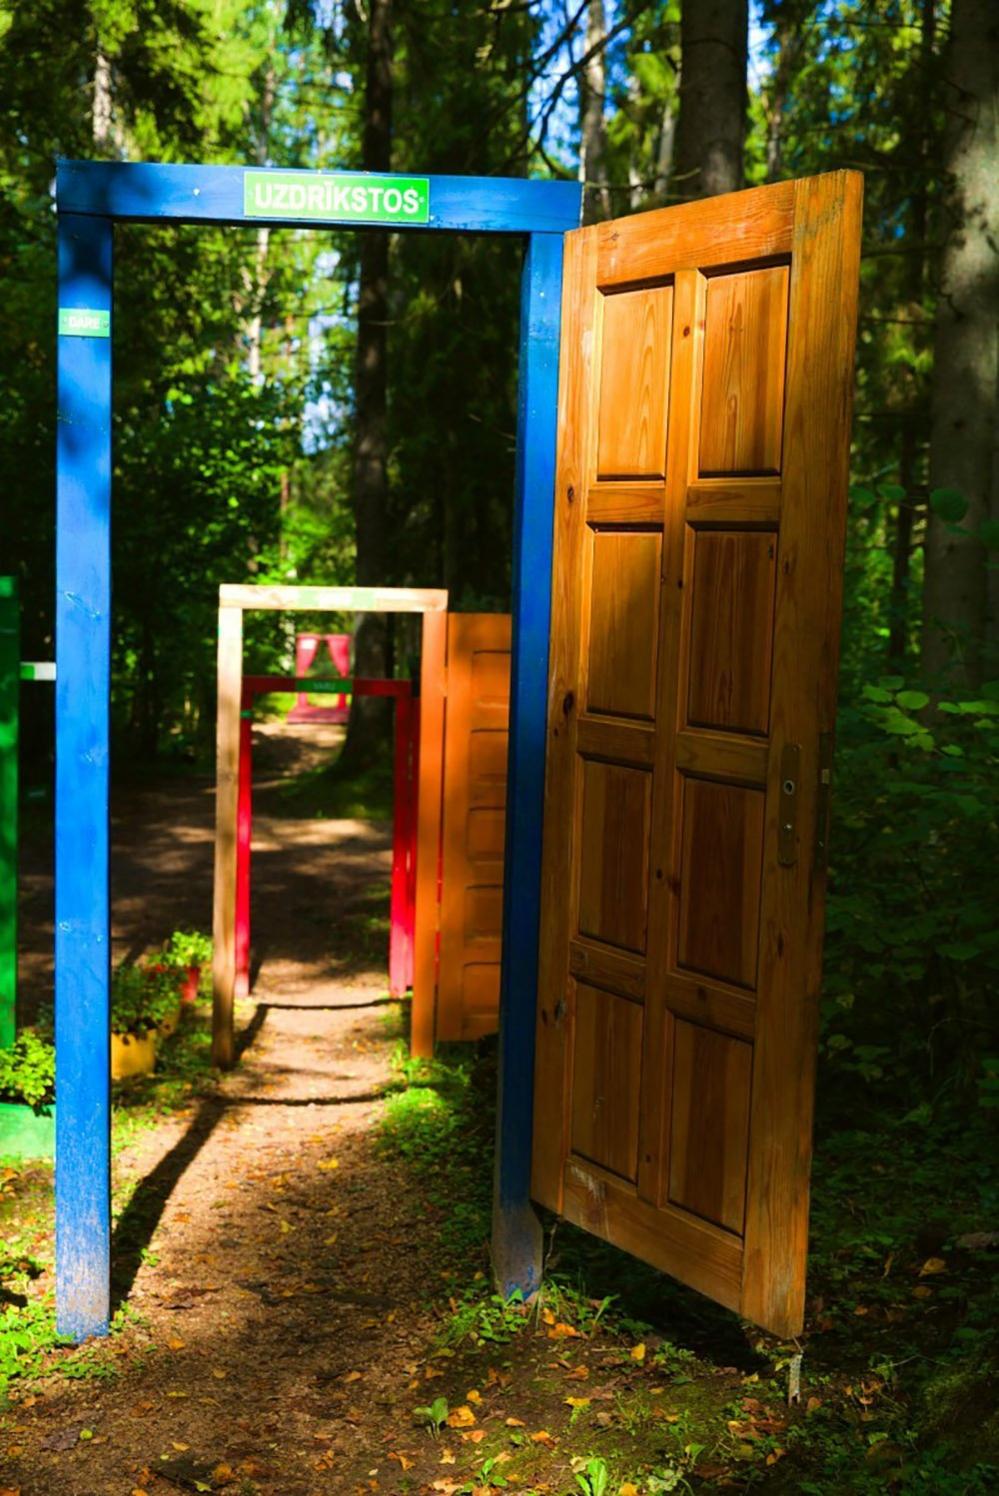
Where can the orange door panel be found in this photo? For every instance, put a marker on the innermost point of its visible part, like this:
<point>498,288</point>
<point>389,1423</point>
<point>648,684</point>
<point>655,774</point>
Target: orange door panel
<point>704,422</point>
<point>475,753</point>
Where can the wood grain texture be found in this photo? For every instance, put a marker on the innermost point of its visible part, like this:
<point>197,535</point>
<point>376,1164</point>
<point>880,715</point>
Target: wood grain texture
<point>694,1250</point>
<point>625,504</point>
<point>720,870</point>
<point>742,385</point>
<point>433,678</point>
<point>709,1129</point>
<point>558,897</point>
<point>747,503</point>
<point>746,634</point>
<point>634,382</point>
<point>474,822</point>
<point>731,630</point>
<point>623,623</point>
<point>614,854</point>
<point>821,332</point>
<point>730,230</point>
<point>607,1073</point>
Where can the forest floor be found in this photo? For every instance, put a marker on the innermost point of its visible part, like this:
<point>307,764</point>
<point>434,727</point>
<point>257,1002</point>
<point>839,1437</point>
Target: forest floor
<point>301,1252</point>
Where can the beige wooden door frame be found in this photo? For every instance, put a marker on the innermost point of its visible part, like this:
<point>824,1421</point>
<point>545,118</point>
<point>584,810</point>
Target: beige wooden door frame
<point>234,600</point>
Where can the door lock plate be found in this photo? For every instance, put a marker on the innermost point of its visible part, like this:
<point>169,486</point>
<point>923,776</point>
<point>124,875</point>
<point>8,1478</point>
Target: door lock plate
<point>787,805</point>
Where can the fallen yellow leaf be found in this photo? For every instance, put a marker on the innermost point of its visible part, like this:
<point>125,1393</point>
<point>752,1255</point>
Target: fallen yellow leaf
<point>638,1352</point>
<point>352,1376</point>
<point>177,1445</point>
<point>932,1265</point>
<point>462,1417</point>
<point>628,1489</point>
<point>515,1423</point>
<point>175,1344</point>
<point>404,1461</point>
<point>447,1456</point>
<point>219,1374</point>
<point>473,1396</point>
<point>328,1163</point>
<point>542,1437</point>
<point>578,1402</point>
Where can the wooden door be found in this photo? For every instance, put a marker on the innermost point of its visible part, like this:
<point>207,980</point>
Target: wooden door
<point>704,426</point>
<point>475,754</point>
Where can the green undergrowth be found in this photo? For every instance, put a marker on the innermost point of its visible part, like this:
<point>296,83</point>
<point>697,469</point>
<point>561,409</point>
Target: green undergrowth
<point>329,793</point>
<point>29,1345</point>
<point>900,1377</point>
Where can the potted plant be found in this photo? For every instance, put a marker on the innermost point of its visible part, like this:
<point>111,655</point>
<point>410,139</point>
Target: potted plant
<point>143,1003</point>
<point>27,1097</point>
<point>190,953</point>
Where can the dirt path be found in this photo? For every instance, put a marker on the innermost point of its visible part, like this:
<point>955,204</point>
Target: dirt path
<point>272,1256</point>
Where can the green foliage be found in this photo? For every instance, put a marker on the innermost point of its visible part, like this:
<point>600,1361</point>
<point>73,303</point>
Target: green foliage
<point>27,1071</point>
<point>187,948</point>
<point>434,1416</point>
<point>594,1478</point>
<point>912,953</point>
<point>141,998</point>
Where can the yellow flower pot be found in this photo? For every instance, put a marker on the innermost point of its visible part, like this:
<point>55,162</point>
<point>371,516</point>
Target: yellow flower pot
<point>133,1054</point>
<point>168,1025</point>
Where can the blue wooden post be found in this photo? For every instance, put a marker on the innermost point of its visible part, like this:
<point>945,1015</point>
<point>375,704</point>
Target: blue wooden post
<point>516,1243</point>
<point>82,943</point>
<point>91,196</point>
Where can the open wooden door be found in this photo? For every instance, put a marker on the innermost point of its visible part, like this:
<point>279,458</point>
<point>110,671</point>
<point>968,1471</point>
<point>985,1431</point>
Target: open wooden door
<point>704,427</point>
<point>474,822</point>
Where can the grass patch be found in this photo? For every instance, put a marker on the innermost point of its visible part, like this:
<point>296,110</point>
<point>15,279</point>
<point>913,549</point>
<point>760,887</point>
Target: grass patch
<point>329,793</point>
<point>29,1345</point>
<point>901,1349</point>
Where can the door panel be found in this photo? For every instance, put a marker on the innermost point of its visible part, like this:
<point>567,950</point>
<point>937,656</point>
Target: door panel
<point>706,371</point>
<point>474,823</point>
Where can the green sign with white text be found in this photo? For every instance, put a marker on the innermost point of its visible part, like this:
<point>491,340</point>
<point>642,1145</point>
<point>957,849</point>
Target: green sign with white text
<point>336,196</point>
<point>84,322</point>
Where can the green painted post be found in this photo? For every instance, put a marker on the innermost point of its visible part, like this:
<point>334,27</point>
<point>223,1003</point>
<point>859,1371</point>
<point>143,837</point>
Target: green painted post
<point>10,676</point>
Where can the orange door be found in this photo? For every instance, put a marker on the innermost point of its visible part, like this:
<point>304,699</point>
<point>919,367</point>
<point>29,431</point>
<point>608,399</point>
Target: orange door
<point>475,751</point>
<point>704,426</point>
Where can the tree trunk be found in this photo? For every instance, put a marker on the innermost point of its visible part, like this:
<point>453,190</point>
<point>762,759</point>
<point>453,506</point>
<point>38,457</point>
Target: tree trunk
<point>709,138</point>
<point>900,606</point>
<point>592,132</point>
<point>369,717</point>
<point>790,21</point>
<point>966,344</point>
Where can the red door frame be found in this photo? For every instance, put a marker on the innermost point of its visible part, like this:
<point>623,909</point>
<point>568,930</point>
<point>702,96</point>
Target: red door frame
<point>403,895</point>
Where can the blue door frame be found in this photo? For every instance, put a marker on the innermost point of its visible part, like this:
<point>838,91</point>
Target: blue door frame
<point>90,198</point>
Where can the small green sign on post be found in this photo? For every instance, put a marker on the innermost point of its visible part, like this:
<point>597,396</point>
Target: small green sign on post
<point>84,322</point>
<point>10,674</point>
<point>332,197</point>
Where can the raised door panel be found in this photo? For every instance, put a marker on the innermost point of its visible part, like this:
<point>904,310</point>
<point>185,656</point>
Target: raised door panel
<point>613,854</point>
<point>731,630</point>
<point>607,1072</point>
<point>742,399</point>
<point>700,490</point>
<point>623,633</point>
<point>474,824</point>
<point>634,382</point>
